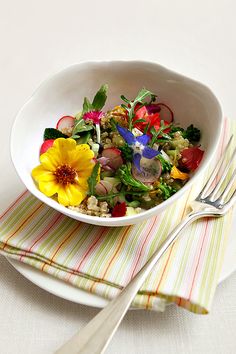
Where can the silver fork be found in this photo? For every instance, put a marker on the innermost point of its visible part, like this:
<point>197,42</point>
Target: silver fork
<point>211,202</point>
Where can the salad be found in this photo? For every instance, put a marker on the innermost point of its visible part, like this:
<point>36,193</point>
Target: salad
<point>118,162</point>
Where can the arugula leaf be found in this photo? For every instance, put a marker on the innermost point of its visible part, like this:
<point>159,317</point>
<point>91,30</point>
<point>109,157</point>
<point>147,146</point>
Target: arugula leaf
<point>51,133</point>
<point>87,106</point>
<point>92,180</point>
<point>80,126</point>
<point>140,98</point>
<point>100,98</point>
<point>84,138</point>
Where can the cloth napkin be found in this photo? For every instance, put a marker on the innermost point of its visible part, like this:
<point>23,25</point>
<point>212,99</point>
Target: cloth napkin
<point>102,260</point>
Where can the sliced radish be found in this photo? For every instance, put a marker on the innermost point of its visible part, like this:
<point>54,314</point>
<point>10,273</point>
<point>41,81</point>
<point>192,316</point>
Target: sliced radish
<point>150,170</point>
<point>103,187</point>
<point>46,145</point>
<point>114,156</point>
<point>166,113</point>
<point>65,123</point>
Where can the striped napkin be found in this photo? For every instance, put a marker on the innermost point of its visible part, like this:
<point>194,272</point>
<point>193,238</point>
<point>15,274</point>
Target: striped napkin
<point>102,260</point>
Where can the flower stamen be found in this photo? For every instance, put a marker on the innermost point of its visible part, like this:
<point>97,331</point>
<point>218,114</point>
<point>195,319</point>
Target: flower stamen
<point>65,174</point>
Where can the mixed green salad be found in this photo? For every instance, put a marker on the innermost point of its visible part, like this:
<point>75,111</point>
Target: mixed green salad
<point>117,162</point>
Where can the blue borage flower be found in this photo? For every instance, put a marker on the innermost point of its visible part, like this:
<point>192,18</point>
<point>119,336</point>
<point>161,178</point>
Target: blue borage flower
<point>138,144</point>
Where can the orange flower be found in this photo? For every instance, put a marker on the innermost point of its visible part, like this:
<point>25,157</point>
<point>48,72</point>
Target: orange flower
<point>177,174</point>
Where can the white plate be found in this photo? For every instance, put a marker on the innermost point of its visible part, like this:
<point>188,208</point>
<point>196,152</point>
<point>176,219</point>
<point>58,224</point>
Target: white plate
<point>69,292</point>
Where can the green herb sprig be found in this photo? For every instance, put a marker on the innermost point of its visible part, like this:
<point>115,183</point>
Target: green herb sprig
<point>96,105</point>
<point>130,105</point>
<point>159,133</point>
<point>127,179</point>
<point>80,127</point>
<point>92,180</point>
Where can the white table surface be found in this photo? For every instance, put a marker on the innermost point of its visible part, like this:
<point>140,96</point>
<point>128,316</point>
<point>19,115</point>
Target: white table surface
<point>37,38</point>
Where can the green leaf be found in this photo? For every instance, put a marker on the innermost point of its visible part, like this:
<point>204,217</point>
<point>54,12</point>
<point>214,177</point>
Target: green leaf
<point>127,178</point>
<point>92,180</point>
<point>75,136</point>
<point>87,106</point>
<point>78,115</point>
<point>124,99</point>
<point>84,138</point>
<point>157,134</point>
<point>140,98</point>
<point>80,126</point>
<point>100,98</point>
<point>153,131</point>
<point>113,124</point>
<point>140,121</point>
<point>143,93</point>
<point>127,152</point>
<point>152,99</point>
<point>166,165</point>
<point>51,133</point>
<point>146,128</point>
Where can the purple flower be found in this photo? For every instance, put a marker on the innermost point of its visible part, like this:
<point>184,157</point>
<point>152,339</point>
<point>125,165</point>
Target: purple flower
<point>153,108</point>
<point>139,146</point>
<point>94,116</point>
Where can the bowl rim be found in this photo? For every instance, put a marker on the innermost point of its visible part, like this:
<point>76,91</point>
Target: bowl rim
<point>124,220</point>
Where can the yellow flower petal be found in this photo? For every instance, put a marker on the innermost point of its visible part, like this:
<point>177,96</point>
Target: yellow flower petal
<point>75,157</point>
<point>39,173</point>
<point>82,182</point>
<point>71,194</point>
<point>50,159</point>
<point>63,147</point>
<point>81,159</point>
<point>177,174</point>
<point>48,188</point>
<point>77,194</point>
<point>83,147</point>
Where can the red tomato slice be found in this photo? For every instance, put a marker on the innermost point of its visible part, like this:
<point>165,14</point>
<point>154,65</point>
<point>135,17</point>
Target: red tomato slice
<point>191,158</point>
<point>154,119</point>
<point>140,113</point>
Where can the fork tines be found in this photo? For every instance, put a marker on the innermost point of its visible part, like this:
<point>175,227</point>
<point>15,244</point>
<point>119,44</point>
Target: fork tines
<point>218,189</point>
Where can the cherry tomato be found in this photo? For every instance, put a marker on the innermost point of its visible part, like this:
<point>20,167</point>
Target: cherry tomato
<point>191,158</point>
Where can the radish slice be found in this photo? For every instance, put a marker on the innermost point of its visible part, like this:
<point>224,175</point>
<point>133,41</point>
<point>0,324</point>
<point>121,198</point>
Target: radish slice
<point>150,170</point>
<point>114,155</point>
<point>166,113</point>
<point>103,187</point>
<point>65,123</point>
<point>46,145</point>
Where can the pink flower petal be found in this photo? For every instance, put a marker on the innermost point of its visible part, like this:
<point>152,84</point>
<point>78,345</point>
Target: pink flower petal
<point>94,116</point>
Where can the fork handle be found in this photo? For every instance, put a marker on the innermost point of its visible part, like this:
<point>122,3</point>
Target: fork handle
<point>95,336</point>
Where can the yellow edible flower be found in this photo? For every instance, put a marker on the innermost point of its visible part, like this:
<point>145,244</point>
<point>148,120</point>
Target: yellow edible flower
<point>64,170</point>
<point>177,174</point>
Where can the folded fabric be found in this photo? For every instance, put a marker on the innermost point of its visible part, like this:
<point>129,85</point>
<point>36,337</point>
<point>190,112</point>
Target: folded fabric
<point>102,260</point>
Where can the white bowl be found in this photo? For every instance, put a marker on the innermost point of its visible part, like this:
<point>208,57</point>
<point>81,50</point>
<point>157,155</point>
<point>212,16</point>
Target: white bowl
<point>63,93</point>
